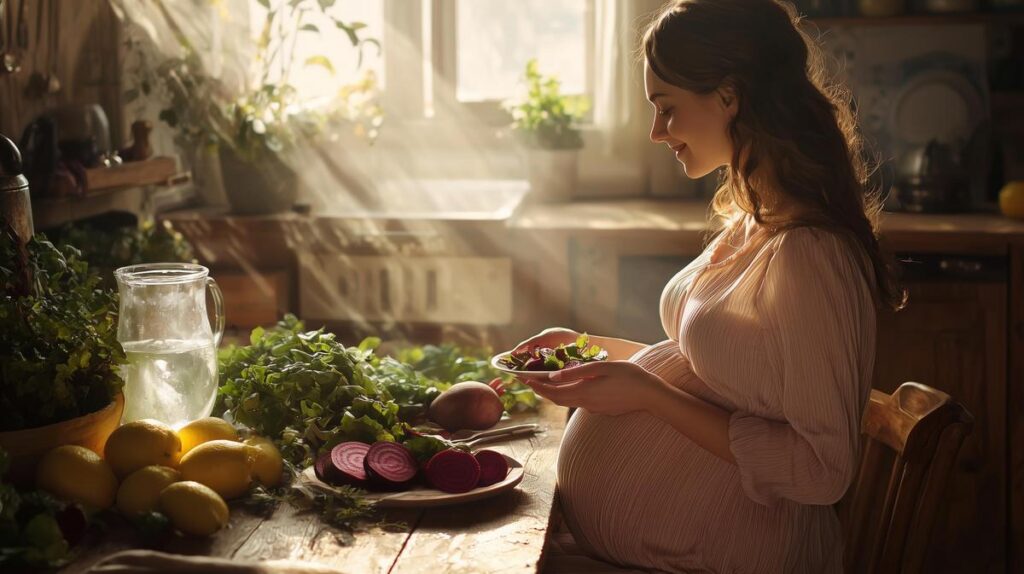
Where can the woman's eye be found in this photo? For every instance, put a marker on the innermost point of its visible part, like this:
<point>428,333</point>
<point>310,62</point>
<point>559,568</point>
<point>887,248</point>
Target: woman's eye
<point>665,112</point>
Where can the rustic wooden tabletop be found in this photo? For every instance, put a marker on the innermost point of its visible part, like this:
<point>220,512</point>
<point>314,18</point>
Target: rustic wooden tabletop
<point>505,533</point>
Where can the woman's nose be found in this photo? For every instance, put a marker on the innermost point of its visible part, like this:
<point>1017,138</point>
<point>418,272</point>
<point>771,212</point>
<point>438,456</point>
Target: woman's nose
<point>658,133</point>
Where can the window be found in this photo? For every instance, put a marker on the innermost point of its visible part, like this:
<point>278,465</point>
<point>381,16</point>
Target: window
<point>465,53</point>
<point>495,38</point>
<point>480,49</point>
<point>321,55</point>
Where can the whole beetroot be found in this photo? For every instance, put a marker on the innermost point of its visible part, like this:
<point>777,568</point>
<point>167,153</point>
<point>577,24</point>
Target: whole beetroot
<point>468,405</point>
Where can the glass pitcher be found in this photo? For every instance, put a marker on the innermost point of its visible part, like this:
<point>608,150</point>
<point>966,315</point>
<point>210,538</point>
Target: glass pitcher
<point>171,375</point>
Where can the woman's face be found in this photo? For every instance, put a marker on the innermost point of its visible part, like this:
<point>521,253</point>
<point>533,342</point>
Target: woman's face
<point>694,125</point>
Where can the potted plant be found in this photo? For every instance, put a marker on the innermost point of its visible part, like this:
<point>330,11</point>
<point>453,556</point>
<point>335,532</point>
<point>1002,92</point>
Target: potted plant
<point>59,355</point>
<point>259,130</point>
<point>544,120</point>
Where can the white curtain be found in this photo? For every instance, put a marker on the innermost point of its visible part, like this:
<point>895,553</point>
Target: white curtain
<point>619,159</point>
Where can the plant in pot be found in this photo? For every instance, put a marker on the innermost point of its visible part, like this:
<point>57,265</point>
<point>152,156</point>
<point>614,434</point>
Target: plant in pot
<point>261,131</point>
<point>59,355</point>
<point>545,121</point>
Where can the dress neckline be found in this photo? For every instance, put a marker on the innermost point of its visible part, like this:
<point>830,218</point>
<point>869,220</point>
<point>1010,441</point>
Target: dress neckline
<point>751,240</point>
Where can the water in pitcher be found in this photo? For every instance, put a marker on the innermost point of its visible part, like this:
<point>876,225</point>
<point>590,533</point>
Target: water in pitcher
<point>170,380</point>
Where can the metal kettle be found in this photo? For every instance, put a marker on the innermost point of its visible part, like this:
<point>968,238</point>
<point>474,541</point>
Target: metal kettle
<point>15,205</point>
<point>933,178</point>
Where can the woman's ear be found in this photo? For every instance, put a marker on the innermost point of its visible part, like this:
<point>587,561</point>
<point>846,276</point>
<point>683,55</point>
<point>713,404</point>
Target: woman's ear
<point>730,99</point>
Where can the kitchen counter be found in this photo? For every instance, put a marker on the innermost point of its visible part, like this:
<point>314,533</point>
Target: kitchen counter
<point>691,216</point>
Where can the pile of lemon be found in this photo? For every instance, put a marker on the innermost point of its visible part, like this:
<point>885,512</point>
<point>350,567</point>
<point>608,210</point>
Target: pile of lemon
<point>147,466</point>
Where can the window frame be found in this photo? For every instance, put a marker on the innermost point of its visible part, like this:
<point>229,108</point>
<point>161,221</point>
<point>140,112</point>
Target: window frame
<point>407,81</point>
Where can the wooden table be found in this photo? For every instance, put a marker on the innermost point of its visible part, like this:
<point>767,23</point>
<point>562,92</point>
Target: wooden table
<point>505,533</point>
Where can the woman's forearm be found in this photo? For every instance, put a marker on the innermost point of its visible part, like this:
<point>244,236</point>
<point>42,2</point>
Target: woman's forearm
<point>618,349</point>
<point>705,424</point>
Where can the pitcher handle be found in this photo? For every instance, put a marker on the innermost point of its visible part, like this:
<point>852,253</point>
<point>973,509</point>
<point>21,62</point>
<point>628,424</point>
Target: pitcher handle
<point>218,310</point>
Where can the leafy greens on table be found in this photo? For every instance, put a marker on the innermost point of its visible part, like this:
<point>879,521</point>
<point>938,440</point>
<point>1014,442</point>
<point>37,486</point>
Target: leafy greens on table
<point>308,391</point>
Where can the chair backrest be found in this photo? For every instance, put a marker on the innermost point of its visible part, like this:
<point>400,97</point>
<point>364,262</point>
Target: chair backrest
<point>911,439</point>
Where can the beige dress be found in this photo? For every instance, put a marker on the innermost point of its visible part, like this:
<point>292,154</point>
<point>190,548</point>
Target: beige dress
<point>778,329</point>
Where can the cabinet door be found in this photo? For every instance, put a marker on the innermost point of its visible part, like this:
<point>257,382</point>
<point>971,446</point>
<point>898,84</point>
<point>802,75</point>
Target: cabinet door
<point>952,336</point>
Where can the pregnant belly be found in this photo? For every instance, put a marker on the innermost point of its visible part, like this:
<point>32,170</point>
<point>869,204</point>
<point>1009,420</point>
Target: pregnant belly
<point>636,492</point>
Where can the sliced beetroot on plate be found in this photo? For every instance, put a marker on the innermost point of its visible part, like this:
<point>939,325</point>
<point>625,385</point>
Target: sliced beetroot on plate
<point>453,471</point>
<point>324,469</point>
<point>346,463</point>
<point>390,465</point>
<point>493,467</point>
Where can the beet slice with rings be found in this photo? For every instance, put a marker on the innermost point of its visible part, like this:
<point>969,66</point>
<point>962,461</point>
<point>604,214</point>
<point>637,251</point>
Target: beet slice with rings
<point>346,463</point>
<point>390,465</point>
<point>493,467</point>
<point>453,471</point>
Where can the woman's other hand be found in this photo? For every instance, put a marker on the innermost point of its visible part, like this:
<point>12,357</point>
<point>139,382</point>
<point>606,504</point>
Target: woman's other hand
<point>606,387</point>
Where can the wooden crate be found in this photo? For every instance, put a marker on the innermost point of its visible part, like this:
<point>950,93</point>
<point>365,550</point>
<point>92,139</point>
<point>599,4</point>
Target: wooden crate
<point>146,172</point>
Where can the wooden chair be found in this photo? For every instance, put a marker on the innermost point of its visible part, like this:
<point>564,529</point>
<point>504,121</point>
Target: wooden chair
<point>911,440</point>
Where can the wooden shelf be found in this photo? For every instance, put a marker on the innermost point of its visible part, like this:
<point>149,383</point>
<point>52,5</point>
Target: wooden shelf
<point>1010,18</point>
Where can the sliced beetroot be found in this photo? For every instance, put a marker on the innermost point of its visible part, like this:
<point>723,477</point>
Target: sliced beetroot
<point>493,467</point>
<point>453,471</point>
<point>390,465</point>
<point>324,469</point>
<point>346,463</point>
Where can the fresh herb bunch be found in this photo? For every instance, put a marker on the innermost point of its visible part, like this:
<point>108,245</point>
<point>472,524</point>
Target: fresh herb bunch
<point>59,355</point>
<point>561,357</point>
<point>543,117</point>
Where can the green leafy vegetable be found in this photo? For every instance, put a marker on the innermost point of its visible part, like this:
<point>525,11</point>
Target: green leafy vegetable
<point>307,391</point>
<point>59,355</point>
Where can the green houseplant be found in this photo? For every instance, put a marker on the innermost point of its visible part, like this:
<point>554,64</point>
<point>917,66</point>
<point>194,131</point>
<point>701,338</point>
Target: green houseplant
<point>59,355</point>
<point>257,130</point>
<point>545,122</point>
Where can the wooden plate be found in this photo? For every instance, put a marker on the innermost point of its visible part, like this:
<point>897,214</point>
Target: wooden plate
<point>422,497</point>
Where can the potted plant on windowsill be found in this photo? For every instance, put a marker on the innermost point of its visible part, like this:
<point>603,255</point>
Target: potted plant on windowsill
<point>260,132</point>
<point>544,121</point>
<point>59,355</point>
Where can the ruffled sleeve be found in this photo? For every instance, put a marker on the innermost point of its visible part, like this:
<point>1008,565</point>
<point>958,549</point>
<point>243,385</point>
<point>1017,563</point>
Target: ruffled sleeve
<point>819,324</point>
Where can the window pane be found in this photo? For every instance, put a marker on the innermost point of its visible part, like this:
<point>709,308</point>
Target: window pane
<point>497,37</point>
<point>315,81</point>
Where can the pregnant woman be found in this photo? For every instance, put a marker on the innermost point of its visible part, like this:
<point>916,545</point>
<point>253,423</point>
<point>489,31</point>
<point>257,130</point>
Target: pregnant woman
<point>722,448</point>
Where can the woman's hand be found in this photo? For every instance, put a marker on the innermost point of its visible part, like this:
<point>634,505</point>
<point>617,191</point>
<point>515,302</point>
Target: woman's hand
<point>551,338</point>
<point>606,387</point>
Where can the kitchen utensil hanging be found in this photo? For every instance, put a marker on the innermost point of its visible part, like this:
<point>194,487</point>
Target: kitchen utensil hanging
<point>53,81</point>
<point>10,63</point>
<point>37,82</point>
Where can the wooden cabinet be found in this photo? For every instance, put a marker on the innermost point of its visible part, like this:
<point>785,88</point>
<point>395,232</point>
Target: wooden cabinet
<point>952,336</point>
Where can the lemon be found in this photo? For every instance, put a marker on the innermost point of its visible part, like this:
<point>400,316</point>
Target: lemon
<point>1011,199</point>
<point>141,443</point>
<point>140,492</point>
<point>268,465</point>
<point>223,465</point>
<point>77,474</point>
<point>194,508</point>
<point>204,430</point>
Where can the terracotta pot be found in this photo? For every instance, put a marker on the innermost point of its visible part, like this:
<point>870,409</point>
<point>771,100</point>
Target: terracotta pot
<point>257,189</point>
<point>26,447</point>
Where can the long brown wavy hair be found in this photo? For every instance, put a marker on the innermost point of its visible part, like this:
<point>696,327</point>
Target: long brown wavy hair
<point>791,117</point>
